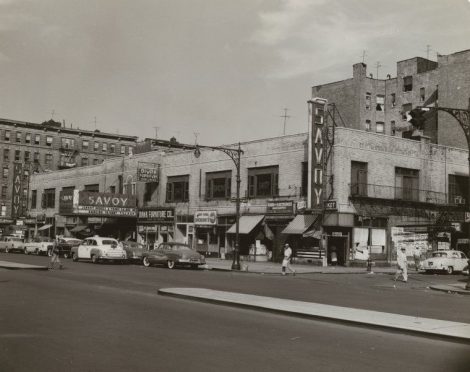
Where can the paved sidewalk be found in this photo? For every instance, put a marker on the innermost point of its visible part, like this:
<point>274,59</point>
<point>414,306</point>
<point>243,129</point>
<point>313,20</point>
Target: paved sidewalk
<point>452,288</point>
<point>20,266</point>
<point>405,323</point>
<point>275,268</point>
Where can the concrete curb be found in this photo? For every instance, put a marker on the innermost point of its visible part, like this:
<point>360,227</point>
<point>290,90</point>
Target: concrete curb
<point>20,266</point>
<point>453,288</point>
<point>297,273</point>
<point>387,321</point>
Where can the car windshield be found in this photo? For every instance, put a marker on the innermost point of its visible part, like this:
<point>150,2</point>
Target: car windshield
<point>109,242</point>
<point>439,254</point>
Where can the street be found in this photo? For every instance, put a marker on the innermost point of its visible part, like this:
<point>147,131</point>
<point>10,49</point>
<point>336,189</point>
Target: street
<point>110,318</point>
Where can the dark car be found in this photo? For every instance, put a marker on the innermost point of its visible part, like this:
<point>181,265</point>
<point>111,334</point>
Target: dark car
<point>134,250</point>
<point>173,254</point>
<point>65,245</point>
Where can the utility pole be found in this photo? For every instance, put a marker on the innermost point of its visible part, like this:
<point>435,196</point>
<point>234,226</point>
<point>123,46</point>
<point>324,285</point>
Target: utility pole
<point>156,132</point>
<point>364,54</point>
<point>196,134</point>
<point>285,116</point>
<point>428,50</point>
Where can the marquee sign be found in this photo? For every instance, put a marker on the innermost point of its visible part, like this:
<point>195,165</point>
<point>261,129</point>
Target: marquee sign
<point>104,204</point>
<point>17,193</point>
<point>316,145</point>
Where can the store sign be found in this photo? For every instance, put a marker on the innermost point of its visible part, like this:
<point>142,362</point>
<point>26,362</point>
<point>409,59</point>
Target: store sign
<point>280,207</point>
<point>156,215</point>
<point>337,233</point>
<point>17,193</point>
<point>66,202</point>
<point>331,205</point>
<point>147,174</point>
<point>105,204</point>
<point>316,191</point>
<point>205,218</point>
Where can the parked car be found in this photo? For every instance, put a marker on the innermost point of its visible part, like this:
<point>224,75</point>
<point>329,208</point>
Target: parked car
<point>99,249</point>
<point>448,261</point>
<point>65,246</point>
<point>134,250</point>
<point>39,245</point>
<point>173,254</point>
<point>11,243</point>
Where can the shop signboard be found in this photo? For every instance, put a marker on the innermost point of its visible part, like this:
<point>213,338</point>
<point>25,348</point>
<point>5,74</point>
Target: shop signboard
<point>330,205</point>
<point>156,215</point>
<point>280,207</point>
<point>147,174</point>
<point>104,204</point>
<point>66,202</point>
<point>17,192</point>
<point>205,218</point>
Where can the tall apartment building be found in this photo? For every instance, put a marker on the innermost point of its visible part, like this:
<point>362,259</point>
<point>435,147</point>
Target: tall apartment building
<point>47,147</point>
<point>380,105</point>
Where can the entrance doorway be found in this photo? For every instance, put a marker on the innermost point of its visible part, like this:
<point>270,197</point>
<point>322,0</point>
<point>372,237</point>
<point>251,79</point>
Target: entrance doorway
<point>337,244</point>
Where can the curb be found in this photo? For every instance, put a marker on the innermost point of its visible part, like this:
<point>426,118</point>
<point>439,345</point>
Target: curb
<point>299,273</point>
<point>14,266</point>
<point>423,327</point>
<point>450,289</point>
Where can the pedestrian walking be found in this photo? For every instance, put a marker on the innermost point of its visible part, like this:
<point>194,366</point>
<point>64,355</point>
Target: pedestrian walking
<point>286,260</point>
<point>417,257</point>
<point>402,265</point>
<point>55,255</point>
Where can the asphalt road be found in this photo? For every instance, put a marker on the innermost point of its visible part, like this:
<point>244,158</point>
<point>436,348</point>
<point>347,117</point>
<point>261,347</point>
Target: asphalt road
<point>110,318</point>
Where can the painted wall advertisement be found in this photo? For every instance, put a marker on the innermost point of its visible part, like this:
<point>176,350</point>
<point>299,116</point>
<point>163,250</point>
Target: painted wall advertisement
<point>410,240</point>
<point>146,174</point>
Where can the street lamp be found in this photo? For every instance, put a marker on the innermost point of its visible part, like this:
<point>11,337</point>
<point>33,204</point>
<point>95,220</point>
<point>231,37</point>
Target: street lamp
<point>235,155</point>
<point>463,118</point>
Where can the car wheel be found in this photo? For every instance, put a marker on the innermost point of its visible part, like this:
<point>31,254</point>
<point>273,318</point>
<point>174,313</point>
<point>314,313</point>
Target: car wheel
<point>146,262</point>
<point>170,264</point>
<point>94,259</point>
<point>75,257</point>
<point>450,270</point>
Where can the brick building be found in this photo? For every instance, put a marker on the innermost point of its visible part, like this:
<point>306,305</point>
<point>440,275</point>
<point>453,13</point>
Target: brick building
<point>47,147</point>
<point>380,105</point>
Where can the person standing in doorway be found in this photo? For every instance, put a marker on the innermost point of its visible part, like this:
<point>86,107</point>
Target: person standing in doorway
<point>402,265</point>
<point>417,257</point>
<point>334,256</point>
<point>287,259</point>
<point>55,255</point>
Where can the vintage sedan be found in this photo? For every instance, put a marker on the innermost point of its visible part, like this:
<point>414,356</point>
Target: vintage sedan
<point>11,243</point>
<point>448,261</point>
<point>173,254</point>
<point>99,249</point>
<point>65,246</point>
<point>134,250</point>
<point>39,245</point>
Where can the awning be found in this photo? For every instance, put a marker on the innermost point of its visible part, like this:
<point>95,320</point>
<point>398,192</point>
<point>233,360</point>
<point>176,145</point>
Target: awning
<point>246,224</point>
<point>78,228</point>
<point>300,224</point>
<point>312,233</point>
<point>45,227</point>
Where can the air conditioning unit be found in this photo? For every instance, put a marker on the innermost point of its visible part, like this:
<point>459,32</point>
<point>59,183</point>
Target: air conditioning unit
<point>459,200</point>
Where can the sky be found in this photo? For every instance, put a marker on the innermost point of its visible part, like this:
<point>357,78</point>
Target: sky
<point>212,71</point>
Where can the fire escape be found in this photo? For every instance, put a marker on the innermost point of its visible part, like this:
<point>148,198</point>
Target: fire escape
<point>68,153</point>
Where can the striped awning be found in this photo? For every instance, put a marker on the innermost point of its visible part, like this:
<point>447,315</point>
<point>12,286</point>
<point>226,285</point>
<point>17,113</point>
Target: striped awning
<point>300,224</point>
<point>246,224</point>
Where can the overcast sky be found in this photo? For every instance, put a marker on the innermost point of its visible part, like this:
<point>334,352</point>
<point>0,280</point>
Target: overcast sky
<point>222,68</point>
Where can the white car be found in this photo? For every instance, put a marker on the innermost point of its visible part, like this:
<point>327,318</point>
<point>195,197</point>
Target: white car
<point>11,243</point>
<point>447,261</point>
<point>39,245</point>
<point>99,249</point>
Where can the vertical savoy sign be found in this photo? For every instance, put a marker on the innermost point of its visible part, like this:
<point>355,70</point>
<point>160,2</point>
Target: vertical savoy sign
<point>316,153</point>
<point>17,193</point>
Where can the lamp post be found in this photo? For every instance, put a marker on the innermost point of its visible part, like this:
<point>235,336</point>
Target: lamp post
<point>235,155</point>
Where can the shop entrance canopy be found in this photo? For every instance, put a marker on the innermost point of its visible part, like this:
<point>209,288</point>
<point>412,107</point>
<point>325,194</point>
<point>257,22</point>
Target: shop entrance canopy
<point>247,224</point>
<point>78,228</point>
<point>300,224</point>
<point>45,227</point>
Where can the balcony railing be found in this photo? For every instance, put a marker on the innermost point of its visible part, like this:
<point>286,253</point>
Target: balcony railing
<point>366,190</point>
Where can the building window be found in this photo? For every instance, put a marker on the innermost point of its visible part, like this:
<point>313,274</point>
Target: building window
<point>408,83</point>
<point>263,182</point>
<point>368,125</point>
<point>85,145</point>
<point>304,187</point>
<point>48,198</point>
<point>27,138</point>
<point>112,190</point>
<point>68,143</point>
<point>105,147</point>
<point>34,199</point>
<point>458,189</point>
<point>36,157</point>
<point>6,155</point>
<point>4,191</point>
<point>394,99</point>
<point>5,171</point>
<point>393,128</point>
<point>96,161</point>
<point>48,161</point>
<point>406,184</point>
<point>405,109</point>
<point>49,141</point>
<point>96,146</point>
<point>7,136</point>
<point>27,156</point>
<point>177,189</point>
<point>84,162</point>
<point>133,188</point>
<point>131,150</point>
<point>358,178</point>
<point>422,93</point>
<point>18,137</point>
<point>37,139</point>
<point>17,155</point>
<point>380,103</point>
<point>26,175</point>
<point>123,149</point>
<point>112,148</point>
<point>379,127</point>
<point>3,211</point>
<point>93,187</point>
<point>218,185</point>
<point>368,100</point>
